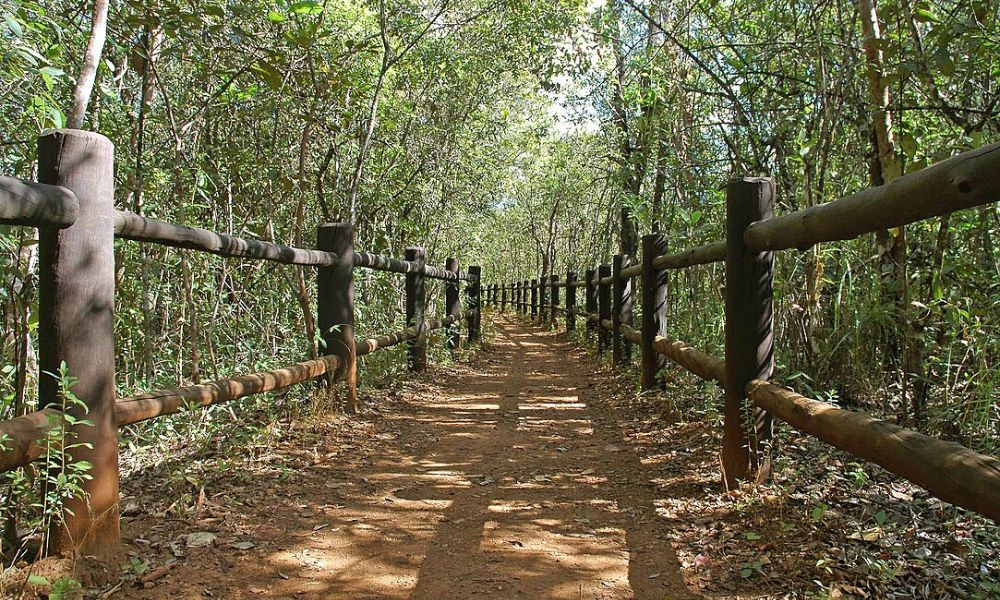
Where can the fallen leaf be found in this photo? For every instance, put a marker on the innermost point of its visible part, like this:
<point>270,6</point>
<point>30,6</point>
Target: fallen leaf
<point>242,545</point>
<point>199,539</point>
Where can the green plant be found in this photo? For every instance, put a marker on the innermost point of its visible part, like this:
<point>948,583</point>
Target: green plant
<point>63,475</point>
<point>819,512</point>
<point>858,474</point>
<point>135,567</point>
<point>751,567</point>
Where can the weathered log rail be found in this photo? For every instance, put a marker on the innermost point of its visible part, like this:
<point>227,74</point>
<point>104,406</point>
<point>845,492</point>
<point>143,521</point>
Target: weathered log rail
<point>72,205</point>
<point>949,471</point>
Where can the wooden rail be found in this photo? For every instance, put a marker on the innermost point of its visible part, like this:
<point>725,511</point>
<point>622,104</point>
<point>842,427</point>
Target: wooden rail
<point>964,181</point>
<point>130,226</point>
<point>949,471</point>
<point>36,204</point>
<point>76,277</point>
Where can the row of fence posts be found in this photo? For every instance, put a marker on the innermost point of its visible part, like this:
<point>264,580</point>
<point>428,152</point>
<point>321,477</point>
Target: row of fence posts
<point>749,279</point>
<point>76,323</point>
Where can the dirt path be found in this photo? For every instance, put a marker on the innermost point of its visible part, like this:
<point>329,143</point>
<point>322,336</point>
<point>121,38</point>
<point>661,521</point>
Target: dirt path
<point>505,480</point>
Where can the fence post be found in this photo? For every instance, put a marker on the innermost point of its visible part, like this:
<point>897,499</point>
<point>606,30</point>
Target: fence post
<point>621,310</point>
<point>555,300</point>
<point>590,298</point>
<point>335,305</point>
<point>654,308</point>
<point>474,291</point>
<point>570,301</point>
<point>452,306</point>
<point>603,309</point>
<point>543,303</point>
<point>76,300</point>
<point>534,299</point>
<point>416,298</point>
<point>749,329</point>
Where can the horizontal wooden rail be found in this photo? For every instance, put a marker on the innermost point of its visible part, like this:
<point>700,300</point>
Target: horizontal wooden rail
<point>131,226</point>
<point>392,339</point>
<point>700,255</point>
<point>164,402</point>
<point>947,470</point>
<point>630,272</point>
<point>964,181</point>
<point>701,364</point>
<point>22,434</point>
<point>378,262</point>
<point>631,334</point>
<point>36,204</point>
<point>385,263</point>
<point>135,227</point>
<point>21,437</point>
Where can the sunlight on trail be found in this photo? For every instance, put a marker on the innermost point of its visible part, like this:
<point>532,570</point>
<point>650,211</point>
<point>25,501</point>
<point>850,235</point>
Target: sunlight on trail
<point>495,485</point>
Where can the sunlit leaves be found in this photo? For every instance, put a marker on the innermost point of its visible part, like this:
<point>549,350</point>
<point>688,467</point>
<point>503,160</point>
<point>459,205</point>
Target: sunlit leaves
<point>306,7</point>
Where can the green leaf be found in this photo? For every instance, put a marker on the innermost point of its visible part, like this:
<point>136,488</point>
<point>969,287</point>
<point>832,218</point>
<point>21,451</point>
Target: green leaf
<point>269,73</point>
<point>276,17</point>
<point>13,26</point>
<point>306,7</point>
<point>38,580</point>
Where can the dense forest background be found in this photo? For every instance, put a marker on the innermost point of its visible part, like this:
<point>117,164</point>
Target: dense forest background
<point>532,137</point>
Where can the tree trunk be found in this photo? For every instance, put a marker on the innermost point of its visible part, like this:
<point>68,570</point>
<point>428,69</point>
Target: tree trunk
<point>91,60</point>
<point>890,245</point>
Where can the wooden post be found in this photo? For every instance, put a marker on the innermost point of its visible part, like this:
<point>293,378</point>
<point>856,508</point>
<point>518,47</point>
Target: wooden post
<point>416,298</point>
<point>534,299</point>
<point>76,299</point>
<point>749,329</point>
<point>603,309</point>
<point>543,303</point>
<point>335,305</point>
<point>570,301</point>
<point>474,291</point>
<point>555,300</point>
<point>590,298</point>
<point>654,308</point>
<point>452,306</point>
<point>619,290</point>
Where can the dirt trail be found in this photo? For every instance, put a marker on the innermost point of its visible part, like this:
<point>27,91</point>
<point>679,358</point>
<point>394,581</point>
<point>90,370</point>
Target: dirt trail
<point>504,480</point>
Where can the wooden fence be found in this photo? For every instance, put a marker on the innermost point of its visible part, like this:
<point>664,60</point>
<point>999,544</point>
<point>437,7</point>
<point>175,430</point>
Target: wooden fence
<point>72,206</point>
<point>949,471</point>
